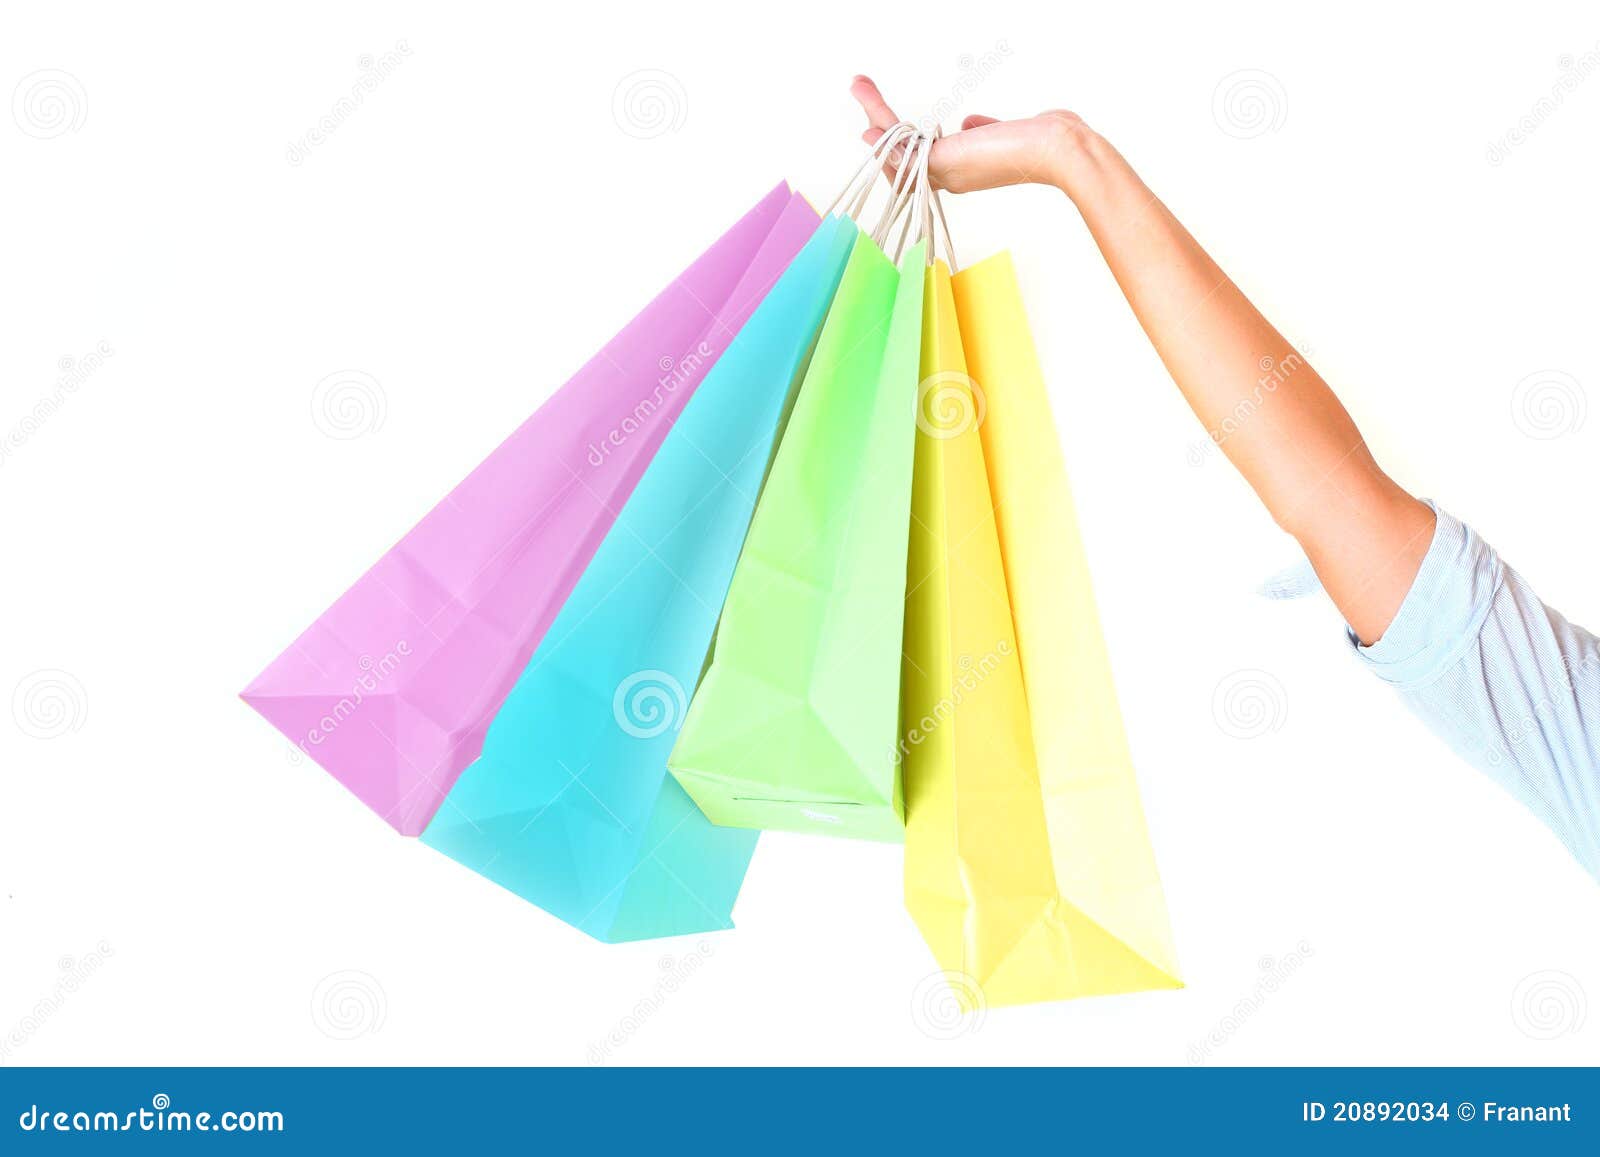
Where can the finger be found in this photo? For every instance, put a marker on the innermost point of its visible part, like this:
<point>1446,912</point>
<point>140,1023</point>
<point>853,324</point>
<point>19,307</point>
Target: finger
<point>977,122</point>
<point>879,114</point>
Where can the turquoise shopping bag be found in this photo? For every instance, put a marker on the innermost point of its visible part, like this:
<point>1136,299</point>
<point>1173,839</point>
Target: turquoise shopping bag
<point>570,804</point>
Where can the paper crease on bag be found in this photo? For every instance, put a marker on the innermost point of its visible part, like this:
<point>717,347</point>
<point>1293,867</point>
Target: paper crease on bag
<point>570,805</point>
<point>793,725</point>
<point>392,688</point>
<point>1028,868</point>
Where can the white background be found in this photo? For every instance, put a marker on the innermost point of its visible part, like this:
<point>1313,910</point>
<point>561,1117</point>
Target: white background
<point>485,220</point>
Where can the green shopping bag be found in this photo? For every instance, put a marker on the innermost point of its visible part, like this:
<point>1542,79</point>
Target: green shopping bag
<point>795,722</point>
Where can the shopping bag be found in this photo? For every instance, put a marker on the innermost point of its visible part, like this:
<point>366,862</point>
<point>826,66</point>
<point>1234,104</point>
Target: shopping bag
<point>570,804</point>
<point>793,724</point>
<point>1029,869</point>
<point>979,880</point>
<point>391,690</point>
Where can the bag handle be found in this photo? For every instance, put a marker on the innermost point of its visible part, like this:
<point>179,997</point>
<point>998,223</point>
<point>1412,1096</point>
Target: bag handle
<point>915,199</point>
<point>903,192</point>
<point>911,197</point>
<point>906,137</point>
<point>853,197</point>
<point>911,192</point>
<point>944,226</point>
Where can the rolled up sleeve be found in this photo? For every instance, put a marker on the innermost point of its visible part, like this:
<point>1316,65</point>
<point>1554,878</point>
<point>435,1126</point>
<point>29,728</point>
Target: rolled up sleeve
<point>1506,681</point>
<point>1444,610</point>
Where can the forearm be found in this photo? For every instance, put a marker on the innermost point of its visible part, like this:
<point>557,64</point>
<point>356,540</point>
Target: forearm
<point>1262,403</point>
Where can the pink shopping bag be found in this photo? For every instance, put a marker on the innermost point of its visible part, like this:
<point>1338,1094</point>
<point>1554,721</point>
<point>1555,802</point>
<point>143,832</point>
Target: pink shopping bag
<point>393,688</point>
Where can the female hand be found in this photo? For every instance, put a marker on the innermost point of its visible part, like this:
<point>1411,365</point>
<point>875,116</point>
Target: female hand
<point>1301,452</point>
<point>987,153</point>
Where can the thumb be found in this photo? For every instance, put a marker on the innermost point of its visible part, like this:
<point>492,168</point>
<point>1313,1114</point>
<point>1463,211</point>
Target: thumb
<point>977,122</point>
<point>879,114</point>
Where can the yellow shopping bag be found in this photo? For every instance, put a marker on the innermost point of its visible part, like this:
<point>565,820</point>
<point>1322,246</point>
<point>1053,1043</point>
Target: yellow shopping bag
<point>1028,867</point>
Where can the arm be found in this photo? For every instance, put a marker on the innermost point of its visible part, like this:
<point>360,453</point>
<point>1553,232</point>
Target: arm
<point>1268,410</point>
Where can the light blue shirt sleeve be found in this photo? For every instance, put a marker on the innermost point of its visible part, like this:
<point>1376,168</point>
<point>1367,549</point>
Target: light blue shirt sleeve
<point>1507,682</point>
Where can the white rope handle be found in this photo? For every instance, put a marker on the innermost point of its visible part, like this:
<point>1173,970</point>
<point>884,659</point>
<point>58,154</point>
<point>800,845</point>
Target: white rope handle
<point>917,202</point>
<point>929,209</point>
<point>901,137</point>
<point>911,192</point>
<point>944,226</point>
<point>904,190</point>
<point>853,198</point>
<point>917,217</point>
